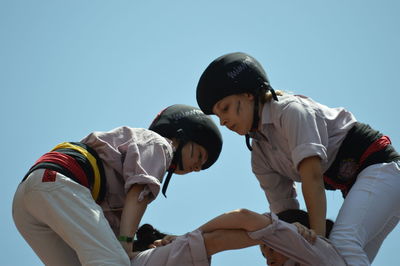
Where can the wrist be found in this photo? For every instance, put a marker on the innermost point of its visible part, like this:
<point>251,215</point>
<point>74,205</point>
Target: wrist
<point>126,239</point>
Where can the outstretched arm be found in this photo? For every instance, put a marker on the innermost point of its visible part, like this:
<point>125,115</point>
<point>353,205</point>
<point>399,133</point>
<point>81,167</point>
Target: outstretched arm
<point>237,219</point>
<point>228,239</point>
<point>229,230</point>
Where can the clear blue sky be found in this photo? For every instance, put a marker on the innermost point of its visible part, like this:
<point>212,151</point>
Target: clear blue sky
<point>71,67</point>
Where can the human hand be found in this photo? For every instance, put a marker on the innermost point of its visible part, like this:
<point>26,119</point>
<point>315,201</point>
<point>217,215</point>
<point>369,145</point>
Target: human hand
<point>165,241</point>
<point>308,234</point>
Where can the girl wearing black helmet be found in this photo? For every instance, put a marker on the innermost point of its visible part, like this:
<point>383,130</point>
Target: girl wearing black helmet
<point>296,139</point>
<point>76,198</point>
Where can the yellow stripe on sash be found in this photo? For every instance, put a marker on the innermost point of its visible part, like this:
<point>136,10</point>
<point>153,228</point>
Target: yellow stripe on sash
<point>96,184</point>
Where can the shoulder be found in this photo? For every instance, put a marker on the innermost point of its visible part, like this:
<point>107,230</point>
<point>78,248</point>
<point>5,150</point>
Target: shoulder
<point>287,105</point>
<point>148,138</point>
<point>141,136</point>
<point>293,103</point>
<point>152,137</point>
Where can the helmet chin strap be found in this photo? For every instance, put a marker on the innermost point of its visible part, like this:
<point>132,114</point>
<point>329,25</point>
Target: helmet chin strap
<point>256,119</point>
<point>273,94</point>
<point>176,160</point>
<point>256,116</point>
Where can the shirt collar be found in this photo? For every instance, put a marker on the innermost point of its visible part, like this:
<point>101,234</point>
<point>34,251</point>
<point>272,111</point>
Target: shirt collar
<point>265,119</point>
<point>266,114</point>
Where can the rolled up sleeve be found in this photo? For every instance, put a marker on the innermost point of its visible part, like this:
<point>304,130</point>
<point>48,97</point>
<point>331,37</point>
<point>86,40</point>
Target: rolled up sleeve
<point>146,165</point>
<point>306,150</point>
<point>306,133</point>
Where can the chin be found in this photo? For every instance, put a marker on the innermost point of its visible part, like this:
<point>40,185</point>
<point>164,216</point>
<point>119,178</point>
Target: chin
<point>182,172</point>
<point>241,132</point>
<point>179,172</point>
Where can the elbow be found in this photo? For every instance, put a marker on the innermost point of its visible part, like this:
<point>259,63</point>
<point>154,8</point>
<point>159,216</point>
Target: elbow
<point>248,220</point>
<point>241,214</point>
<point>242,211</point>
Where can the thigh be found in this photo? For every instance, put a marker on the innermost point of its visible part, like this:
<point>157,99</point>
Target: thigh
<point>370,206</point>
<point>47,244</point>
<point>70,211</point>
<point>375,243</point>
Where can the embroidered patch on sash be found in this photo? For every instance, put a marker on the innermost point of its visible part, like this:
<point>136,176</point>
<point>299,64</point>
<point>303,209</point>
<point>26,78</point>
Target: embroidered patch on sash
<point>348,169</point>
<point>49,176</point>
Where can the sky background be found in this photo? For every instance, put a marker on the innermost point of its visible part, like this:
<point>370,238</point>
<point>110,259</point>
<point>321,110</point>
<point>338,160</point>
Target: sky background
<point>71,67</point>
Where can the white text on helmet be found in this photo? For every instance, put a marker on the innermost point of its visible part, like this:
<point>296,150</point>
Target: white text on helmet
<point>238,69</point>
<point>193,112</point>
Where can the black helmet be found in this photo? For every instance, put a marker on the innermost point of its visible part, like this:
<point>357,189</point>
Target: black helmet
<point>187,123</point>
<point>230,74</point>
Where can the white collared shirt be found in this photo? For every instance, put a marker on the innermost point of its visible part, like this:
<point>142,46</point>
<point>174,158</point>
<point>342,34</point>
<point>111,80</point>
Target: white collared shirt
<point>130,156</point>
<point>292,129</point>
<point>285,239</point>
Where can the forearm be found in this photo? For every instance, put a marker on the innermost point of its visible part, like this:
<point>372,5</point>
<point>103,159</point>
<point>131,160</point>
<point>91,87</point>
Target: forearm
<point>314,192</point>
<point>133,211</point>
<point>315,199</point>
<point>220,240</point>
<point>237,219</point>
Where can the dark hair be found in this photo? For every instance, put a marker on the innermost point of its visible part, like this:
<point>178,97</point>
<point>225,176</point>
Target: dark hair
<point>300,216</point>
<point>146,235</point>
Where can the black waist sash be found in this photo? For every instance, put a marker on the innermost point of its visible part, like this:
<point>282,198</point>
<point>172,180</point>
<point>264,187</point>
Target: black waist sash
<point>362,147</point>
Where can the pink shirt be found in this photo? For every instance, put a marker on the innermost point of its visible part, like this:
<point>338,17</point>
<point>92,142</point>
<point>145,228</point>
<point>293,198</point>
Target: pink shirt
<point>130,156</point>
<point>285,239</point>
<point>292,129</point>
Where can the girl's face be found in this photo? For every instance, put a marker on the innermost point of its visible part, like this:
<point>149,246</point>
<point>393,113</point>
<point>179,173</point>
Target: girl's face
<point>193,158</point>
<point>236,112</point>
<point>273,257</point>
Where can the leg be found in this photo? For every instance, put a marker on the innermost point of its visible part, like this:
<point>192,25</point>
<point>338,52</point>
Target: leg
<point>373,246</point>
<point>368,214</point>
<point>47,245</point>
<point>64,212</point>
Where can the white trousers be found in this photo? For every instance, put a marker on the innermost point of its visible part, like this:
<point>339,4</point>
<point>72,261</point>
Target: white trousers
<point>63,224</point>
<point>369,213</point>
